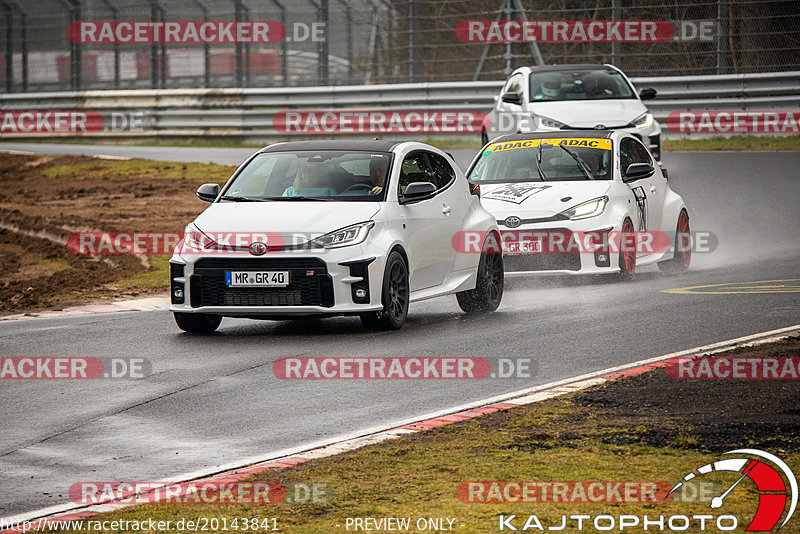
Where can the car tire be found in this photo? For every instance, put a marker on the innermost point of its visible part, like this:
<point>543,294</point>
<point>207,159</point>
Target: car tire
<point>683,248</point>
<point>394,296</point>
<point>488,290</point>
<point>484,138</point>
<point>627,258</point>
<point>197,323</point>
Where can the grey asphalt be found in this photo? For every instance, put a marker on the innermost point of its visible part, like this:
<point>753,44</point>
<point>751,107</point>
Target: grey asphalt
<point>215,400</point>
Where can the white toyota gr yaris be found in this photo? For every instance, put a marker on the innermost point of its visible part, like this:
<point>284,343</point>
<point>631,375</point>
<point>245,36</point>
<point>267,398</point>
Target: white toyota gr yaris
<point>315,228</point>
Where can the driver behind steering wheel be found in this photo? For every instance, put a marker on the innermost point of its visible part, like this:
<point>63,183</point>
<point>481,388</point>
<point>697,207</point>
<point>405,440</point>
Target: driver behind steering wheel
<point>378,165</point>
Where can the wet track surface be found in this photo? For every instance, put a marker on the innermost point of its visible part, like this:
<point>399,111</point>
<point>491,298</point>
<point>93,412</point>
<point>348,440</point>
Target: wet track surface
<point>215,400</point>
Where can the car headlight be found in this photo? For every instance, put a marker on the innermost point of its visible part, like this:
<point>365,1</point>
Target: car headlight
<point>194,238</point>
<point>351,235</point>
<point>591,208</point>
<point>643,121</point>
<point>543,123</point>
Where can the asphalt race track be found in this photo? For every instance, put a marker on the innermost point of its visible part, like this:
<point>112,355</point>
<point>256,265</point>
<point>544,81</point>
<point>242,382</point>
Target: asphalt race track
<point>215,400</point>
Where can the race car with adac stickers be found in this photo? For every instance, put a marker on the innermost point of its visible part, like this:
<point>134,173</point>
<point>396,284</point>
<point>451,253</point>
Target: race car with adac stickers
<point>582,202</point>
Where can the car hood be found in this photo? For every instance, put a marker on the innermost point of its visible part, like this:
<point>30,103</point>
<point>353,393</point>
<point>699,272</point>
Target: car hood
<point>538,199</point>
<point>590,113</point>
<point>288,218</point>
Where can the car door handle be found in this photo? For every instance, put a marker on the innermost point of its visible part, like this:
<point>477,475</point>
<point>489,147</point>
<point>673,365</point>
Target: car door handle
<point>652,189</point>
<point>445,209</point>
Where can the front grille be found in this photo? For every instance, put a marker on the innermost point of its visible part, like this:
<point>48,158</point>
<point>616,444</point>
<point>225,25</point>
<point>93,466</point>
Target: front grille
<point>542,262</point>
<point>208,283</point>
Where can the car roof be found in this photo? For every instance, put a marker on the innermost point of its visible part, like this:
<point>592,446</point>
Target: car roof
<point>564,134</point>
<point>369,145</point>
<point>577,66</point>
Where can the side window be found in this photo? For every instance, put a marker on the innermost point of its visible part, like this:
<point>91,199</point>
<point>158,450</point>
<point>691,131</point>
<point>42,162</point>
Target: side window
<point>415,168</point>
<point>642,155</point>
<point>630,152</point>
<point>444,173</point>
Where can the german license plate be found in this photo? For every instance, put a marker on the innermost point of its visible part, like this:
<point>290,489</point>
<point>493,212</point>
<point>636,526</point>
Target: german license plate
<point>256,278</point>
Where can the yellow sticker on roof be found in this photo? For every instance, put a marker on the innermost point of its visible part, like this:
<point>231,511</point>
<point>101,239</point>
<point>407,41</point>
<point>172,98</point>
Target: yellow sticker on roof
<point>583,142</point>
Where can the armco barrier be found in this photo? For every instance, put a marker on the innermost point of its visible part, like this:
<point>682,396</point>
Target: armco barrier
<point>248,113</point>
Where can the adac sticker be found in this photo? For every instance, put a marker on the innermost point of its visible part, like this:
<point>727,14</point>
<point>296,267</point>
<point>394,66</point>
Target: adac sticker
<point>601,144</point>
<point>516,193</point>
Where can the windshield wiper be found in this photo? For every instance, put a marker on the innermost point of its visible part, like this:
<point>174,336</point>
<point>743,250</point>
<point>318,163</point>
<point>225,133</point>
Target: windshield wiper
<point>245,199</point>
<point>539,163</point>
<point>302,197</point>
<point>581,164</point>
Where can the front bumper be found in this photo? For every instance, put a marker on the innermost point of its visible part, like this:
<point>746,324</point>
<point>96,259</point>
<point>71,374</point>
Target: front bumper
<point>322,281</point>
<point>583,259</point>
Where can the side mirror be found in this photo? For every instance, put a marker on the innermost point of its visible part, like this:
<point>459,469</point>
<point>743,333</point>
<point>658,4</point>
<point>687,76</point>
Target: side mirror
<point>648,93</point>
<point>208,192</point>
<point>417,191</point>
<point>474,189</point>
<point>511,98</point>
<point>637,171</point>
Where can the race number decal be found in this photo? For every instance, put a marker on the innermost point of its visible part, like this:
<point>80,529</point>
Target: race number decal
<point>516,193</point>
<point>641,203</point>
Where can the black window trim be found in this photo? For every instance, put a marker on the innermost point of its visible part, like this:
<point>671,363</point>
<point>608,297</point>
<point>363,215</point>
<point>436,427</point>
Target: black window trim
<point>425,153</point>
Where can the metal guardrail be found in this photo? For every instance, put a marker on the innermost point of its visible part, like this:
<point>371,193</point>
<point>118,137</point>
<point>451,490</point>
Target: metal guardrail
<point>248,113</point>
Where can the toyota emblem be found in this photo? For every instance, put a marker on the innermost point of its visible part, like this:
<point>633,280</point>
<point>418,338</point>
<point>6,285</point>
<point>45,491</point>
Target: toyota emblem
<point>600,127</point>
<point>513,221</point>
<point>258,248</point>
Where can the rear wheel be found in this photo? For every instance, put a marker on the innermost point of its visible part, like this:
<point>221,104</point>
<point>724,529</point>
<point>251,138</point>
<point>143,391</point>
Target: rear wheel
<point>683,248</point>
<point>488,290</point>
<point>627,250</point>
<point>197,323</point>
<point>394,296</point>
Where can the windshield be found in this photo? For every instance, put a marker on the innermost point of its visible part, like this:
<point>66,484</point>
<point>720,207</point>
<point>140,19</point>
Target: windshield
<point>313,175</point>
<point>557,86</point>
<point>515,161</point>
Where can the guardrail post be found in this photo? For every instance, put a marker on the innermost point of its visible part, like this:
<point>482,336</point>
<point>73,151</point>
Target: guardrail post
<point>722,37</point>
<point>284,45</point>
<point>206,47</point>
<point>616,46</point>
<point>323,47</point>
<point>413,38</point>
<point>75,50</point>
<point>9,47</point>
<point>115,17</point>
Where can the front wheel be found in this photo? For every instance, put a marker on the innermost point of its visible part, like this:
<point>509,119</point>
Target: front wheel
<point>395,296</point>
<point>484,138</point>
<point>682,256</point>
<point>488,290</point>
<point>627,250</point>
<point>197,323</point>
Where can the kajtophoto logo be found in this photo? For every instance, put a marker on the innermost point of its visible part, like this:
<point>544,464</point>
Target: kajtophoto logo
<point>773,493</point>
<point>774,482</point>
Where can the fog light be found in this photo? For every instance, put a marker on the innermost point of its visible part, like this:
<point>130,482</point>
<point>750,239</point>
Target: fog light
<point>602,258</point>
<point>177,293</point>
<point>360,293</point>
